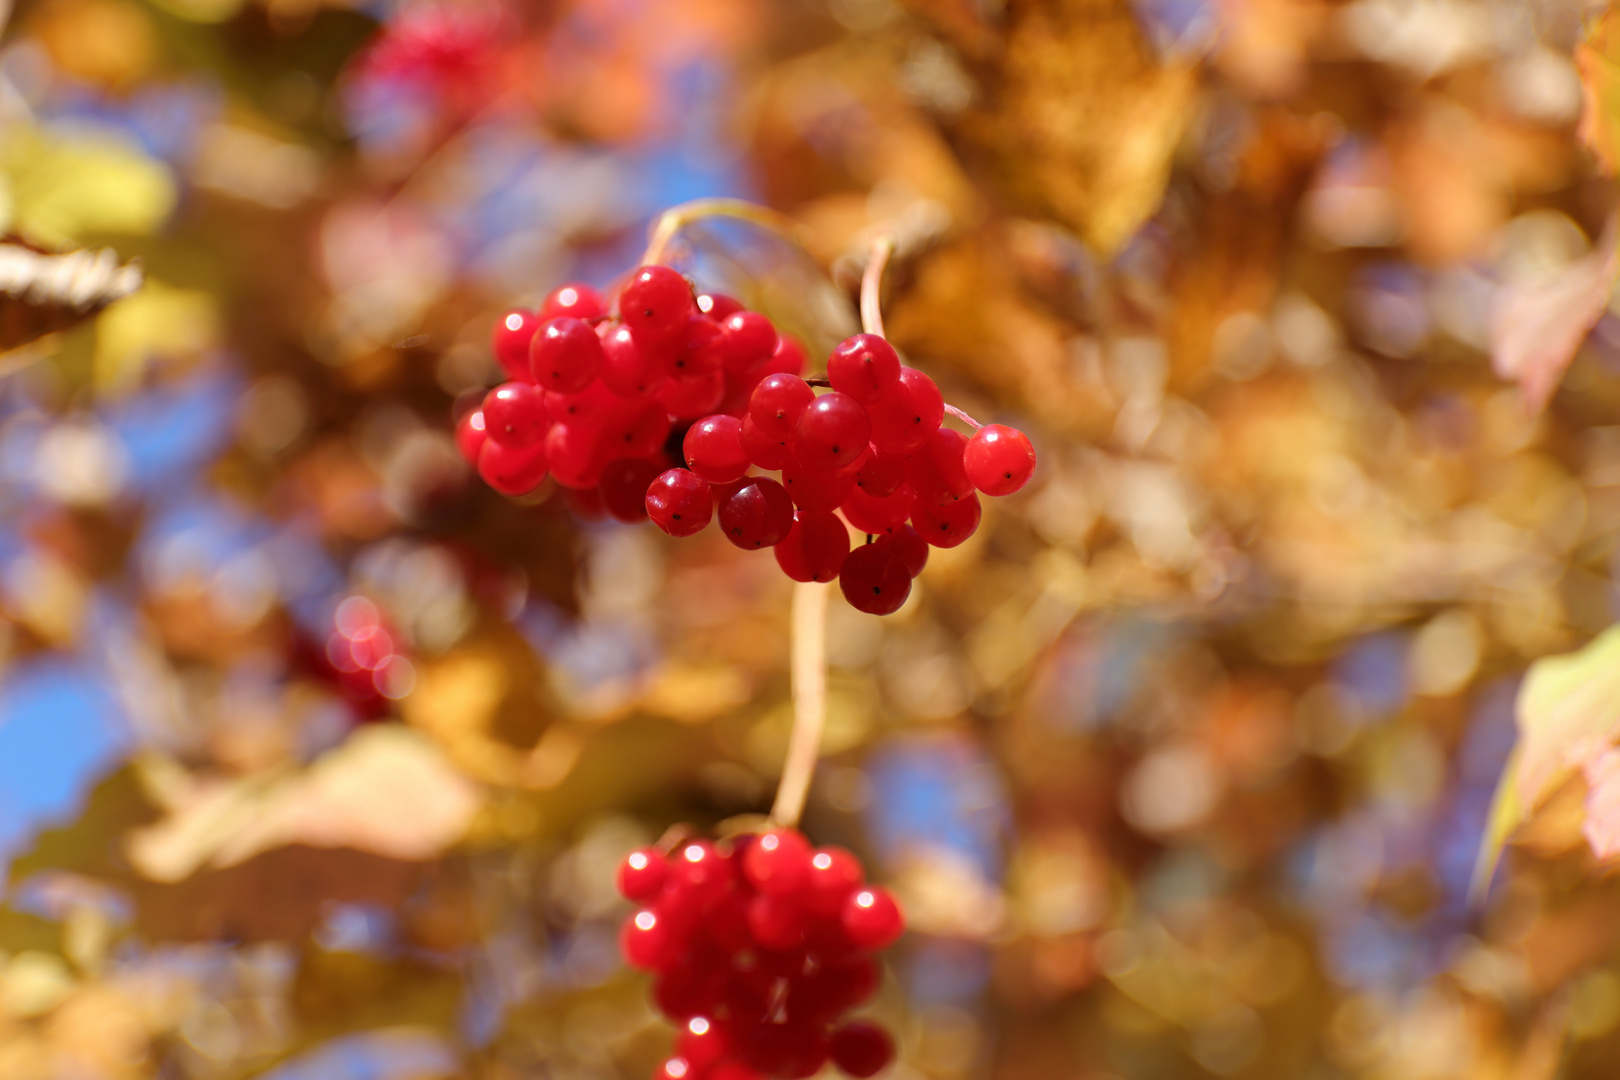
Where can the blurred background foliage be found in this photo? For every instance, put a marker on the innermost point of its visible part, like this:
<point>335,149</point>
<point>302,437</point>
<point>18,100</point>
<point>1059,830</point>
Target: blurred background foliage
<point>1183,766</point>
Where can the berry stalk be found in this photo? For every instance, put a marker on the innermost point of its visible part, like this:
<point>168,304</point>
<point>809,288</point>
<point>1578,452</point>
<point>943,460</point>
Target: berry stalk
<point>676,218</point>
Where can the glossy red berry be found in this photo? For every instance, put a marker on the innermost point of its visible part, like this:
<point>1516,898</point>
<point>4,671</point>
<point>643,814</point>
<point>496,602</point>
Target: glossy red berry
<point>881,472</point>
<point>874,580</point>
<point>512,470</point>
<point>872,919</point>
<point>717,305</point>
<point>776,922</point>
<point>515,414</point>
<point>907,544</point>
<point>762,450</point>
<point>700,348</point>
<point>832,433</point>
<point>863,367</point>
<point>834,874</point>
<point>788,1051</point>
<point>815,548</point>
<point>645,940</point>
<point>789,356</point>
<point>702,1042</point>
<point>949,525</point>
<point>757,514</point>
<point>690,398</point>
<point>656,303</point>
<point>778,862</point>
<point>571,451</point>
<point>624,486</point>
<point>935,470</point>
<point>590,407</point>
<point>713,449</point>
<point>678,502</point>
<point>470,436</point>
<point>861,1049</point>
<point>635,431</point>
<point>574,300</point>
<point>626,368</point>
<point>874,515</point>
<point>565,356</point>
<point>510,342</point>
<point>642,875</point>
<point>904,415</point>
<point>777,403</point>
<point>816,492</point>
<point>999,459</point>
<point>750,340</point>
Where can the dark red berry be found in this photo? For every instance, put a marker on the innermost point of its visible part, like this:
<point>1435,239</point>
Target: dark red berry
<point>907,543</point>
<point>470,436</point>
<point>935,470</point>
<point>872,919</point>
<point>816,492</point>
<point>881,472</point>
<point>510,342</point>
<point>690,398</point>
<point>907,413</point>
<point>627,369</point>
<point>815,548</point>
<point>713,449</point>
<point>571,451</point>
<point>787,1051</point>
<point>874,515</point>
<point>762,450</point>
<point>874,580</point>
<point>832,433</point>
<point>777,403</point>
<point>591,406</point>
<point>861,1048</point>
<point>575,300</point>
<point>656,303</point>
<point>624,487</point>
<point>645,941</point>
<point>758,514</point>
<point>949,525</point>
<point>778,862</point>
<point>863,367</point>
<point>565,356</point>
<point>700,348</point>
<point>702,1042</point>
<point>642,875</point>
<point>635,431</point>
<point>515,414</point>
<point>999,459</point>
<point>512,470</point>
<point>789,356</point>
<point>678,502</point>
<point>776,922</point>
<point>750,340</point>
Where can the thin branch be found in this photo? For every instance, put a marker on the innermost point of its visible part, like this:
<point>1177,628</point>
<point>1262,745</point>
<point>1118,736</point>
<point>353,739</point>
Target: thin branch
<point>872,284</point>
<point>809,680</point>
<point>962,416</point>
<point>676,218</point>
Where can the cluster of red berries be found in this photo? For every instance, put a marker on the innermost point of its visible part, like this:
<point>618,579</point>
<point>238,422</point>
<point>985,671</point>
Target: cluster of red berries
<point>759,947</point>
<point>361,657</point>
<point>600,402</point>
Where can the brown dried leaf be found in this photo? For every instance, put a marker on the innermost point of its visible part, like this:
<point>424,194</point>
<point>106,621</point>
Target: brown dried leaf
<point>42,292</point>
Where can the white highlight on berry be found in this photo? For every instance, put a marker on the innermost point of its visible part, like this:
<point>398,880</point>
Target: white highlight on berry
<point>770,841</point>
<point>864,898</point>
<point>821,860</point>
<point>638,860</point>
<point>514,322</point>
<point>675,1068</point>
<point>693,853</point>
<point>698,1026</point>
<point>646,920</point>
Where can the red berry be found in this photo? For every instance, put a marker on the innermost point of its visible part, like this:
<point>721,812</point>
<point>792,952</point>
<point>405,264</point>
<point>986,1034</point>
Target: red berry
<point>645,941</point>
<point>872,919</point>
<point>814,549</point>
<point>656,303</point>
<point>834,874</point>
<point>863,367</point>
<point>512,470</point>
<point>935,471</point>
<point>700,348</point>
<point>841,984</point>
<point>907,543</point>
<point>678,502</point>
<point>816,493</point>
<point>624,487</point>
<point>762,450</point>
<point>590,407</point>
<point>573,300</point>
<point>635,431</point>
<point>627,369</point>
<point>713,449</point>
<point>676,1068</point>
<point>776,922</point>
<point>872,515</point>
<point>565,355</point>
<point>510,342</point>
<point>874,580</point>
<point>831,433</point>
<point>778,862</point>
<point>690,398</point>
<point>788,1051</point>
<point>861,1048</point>
<point>999,459</point>
<point>691,988</point>
<point>881,472</point>
<point>717,305</point>
<point>906,414</point>
<point>701,1042</point>
<point>758,514</point>
<point>515,414</point>
<point>777,403</point>
<point>732,1070</point>
<point>789,356</point>
<point>750,340</point>
<point>947,526</point>
<point>642,875</point>
<point>572,454</point>
<point>584,503</point>
<point>470,436</point>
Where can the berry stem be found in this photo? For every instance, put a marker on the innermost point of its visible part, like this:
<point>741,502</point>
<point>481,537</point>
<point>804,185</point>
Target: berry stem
<point>962,416</point>
<point>809,681</point>
<point>676,218</point>
<point>872,283</point>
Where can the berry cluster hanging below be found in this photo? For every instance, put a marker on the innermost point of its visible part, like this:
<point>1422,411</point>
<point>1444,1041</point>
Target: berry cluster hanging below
<point>613,407</point>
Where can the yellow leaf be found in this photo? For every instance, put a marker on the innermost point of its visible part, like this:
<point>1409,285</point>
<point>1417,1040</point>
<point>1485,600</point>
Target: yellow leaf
<point>1568,712</point>
<point>1598,59</point>
<point>64,189</point>
<point>158,322</point>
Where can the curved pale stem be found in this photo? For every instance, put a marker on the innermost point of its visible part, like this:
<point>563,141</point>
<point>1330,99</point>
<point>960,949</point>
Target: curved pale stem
<point>872,284</point>
<point>676,218</point>
<point>809,680</point>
